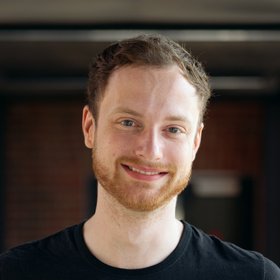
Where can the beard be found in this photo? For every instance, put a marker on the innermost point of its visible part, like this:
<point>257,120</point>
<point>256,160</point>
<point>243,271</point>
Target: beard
<point>139,195</point>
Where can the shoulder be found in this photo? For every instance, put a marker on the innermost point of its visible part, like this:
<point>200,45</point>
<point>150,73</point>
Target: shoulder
<point>20,261</point>
<point>271,270</point>
<point>225,256</point>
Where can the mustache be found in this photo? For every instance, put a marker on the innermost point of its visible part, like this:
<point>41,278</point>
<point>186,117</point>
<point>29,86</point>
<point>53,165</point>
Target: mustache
<point>146,163</point>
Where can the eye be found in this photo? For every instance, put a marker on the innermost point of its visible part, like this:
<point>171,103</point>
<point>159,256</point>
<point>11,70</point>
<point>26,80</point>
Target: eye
<point>174,130</point>
<point>128,123</point>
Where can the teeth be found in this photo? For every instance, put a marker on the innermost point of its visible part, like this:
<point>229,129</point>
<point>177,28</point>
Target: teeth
<point>143,172</point>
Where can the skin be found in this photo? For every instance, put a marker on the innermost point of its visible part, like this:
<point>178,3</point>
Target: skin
<point>146,138</point>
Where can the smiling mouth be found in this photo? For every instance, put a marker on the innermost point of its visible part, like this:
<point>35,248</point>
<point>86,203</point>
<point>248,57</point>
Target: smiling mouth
<point>144,172</point>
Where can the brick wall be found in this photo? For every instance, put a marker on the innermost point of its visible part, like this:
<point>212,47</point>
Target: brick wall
<point>46,169</point>
<point>233,137</point>
<point>233,140</point>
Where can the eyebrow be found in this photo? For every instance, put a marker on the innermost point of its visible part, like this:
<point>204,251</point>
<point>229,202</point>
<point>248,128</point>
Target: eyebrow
<point>178,118</point>
<point>137,114</point>
<point>127,111</point>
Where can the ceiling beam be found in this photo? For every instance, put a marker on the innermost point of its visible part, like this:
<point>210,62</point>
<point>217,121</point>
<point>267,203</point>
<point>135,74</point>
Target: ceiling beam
<point>95,35</point>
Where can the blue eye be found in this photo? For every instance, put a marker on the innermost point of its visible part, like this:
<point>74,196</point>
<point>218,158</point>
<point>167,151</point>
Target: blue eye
<point>127,123</point>
<point>174,130</point>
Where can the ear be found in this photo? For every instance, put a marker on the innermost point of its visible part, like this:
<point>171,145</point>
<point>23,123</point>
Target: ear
<point>197,140</point>
<point>88,125</point>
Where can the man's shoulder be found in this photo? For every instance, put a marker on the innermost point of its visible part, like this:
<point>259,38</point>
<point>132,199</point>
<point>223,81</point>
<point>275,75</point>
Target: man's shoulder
<point>40,253</point>
<point>49,243</point>
<point>215,253</point>
<point>210,244</point>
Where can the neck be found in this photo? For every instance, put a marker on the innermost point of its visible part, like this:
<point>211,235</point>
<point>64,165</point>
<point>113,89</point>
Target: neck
<point>128,239</point>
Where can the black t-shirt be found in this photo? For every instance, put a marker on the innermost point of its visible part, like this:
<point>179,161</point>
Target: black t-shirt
<point>198,256</point>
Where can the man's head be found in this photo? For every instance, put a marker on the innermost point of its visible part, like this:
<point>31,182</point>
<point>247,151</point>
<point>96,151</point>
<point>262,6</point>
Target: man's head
<point>147,97</point>
<point>145,50</point>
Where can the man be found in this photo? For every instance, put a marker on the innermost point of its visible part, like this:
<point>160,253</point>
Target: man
<point>144,121</point>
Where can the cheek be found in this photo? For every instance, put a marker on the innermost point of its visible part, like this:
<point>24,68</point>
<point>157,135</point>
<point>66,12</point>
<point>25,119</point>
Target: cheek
<point>116,145</point>
<point>180,155</point>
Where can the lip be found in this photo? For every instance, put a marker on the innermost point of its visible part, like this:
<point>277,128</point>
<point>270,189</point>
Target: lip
<point>143,173</point>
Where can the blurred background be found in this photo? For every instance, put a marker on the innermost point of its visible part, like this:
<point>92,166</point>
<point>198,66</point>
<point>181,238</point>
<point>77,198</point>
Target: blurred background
<point>46,182</point>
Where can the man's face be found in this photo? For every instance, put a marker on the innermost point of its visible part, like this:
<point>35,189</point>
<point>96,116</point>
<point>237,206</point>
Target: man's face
<point>147,135</point>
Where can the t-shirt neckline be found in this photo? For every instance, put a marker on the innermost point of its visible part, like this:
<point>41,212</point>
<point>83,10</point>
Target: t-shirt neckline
<point>165,264</point>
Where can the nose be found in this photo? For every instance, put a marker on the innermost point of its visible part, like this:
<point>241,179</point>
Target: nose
<point>149,145</point>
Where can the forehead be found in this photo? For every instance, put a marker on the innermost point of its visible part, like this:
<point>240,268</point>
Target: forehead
<point>149,90</point>
<point>147,77</point>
